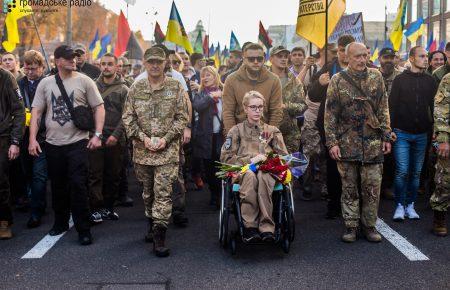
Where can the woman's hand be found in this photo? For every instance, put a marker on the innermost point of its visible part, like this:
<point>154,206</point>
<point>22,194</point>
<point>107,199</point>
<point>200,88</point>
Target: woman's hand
<point>217,94</point>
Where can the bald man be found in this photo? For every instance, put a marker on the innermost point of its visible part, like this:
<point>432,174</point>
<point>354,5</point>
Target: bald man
<point>357,129</point>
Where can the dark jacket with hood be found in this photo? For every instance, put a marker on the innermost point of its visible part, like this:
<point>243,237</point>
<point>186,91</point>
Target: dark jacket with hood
<point>114,96</point>
<point>411,102</point>
<point>12,112</point>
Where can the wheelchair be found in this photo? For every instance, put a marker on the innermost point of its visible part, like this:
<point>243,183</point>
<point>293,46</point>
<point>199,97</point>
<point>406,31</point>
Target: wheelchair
<point>283,216</point>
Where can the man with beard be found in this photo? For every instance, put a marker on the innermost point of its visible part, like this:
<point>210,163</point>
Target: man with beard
<point>389,72</point>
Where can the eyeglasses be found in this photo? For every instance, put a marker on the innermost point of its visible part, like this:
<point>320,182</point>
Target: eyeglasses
<point>255,58</point>
<point>255,108</point>
<point>155,61</point>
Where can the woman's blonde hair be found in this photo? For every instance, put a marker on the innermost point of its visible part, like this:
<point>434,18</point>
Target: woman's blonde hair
<point>252,95</point>
<point>212,70</point>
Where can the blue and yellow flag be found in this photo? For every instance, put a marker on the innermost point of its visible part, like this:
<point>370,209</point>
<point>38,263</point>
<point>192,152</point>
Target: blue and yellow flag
<point>375,52</point>
<point>95,46</point>
<point>11,32</point>
<point>398,26</point>
<point>234,43</point>
<point>105,45</point>
<point>176,32</point>
<point>415,30</point>
<point>217,56</point>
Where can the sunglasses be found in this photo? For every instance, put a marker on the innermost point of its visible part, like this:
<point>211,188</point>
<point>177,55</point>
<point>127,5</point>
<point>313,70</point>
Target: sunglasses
<point>155,61</point>
<point>255,58</point>
<point>176,62</point>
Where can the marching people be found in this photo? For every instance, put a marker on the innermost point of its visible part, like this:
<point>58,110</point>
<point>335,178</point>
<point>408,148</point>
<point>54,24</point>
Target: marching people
<point>67,139</point>
<point>208,139</point>
<point>12,120</point>
<point>154,118</point>
<point>358,134</point>
<point>248,143</point>
<point>35,168</point>
<point>411,103</point>
<point>105,163</point>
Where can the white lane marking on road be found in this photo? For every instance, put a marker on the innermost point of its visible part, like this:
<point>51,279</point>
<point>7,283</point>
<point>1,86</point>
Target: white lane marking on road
<point>405,247</point>
<point>44,245</point>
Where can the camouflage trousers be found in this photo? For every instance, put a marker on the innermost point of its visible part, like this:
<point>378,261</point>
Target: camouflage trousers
<point>370,177</point>
<point>441,197</point>
<point>315,151</point>
<point>157,182</point>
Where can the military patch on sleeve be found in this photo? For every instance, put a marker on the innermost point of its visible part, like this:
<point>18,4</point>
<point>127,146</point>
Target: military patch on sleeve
<point>19,95</point>
<point>227,144</point>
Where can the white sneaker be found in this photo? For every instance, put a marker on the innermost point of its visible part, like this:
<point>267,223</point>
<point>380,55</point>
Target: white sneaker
<point>399,214</point>
<point>411,212</point>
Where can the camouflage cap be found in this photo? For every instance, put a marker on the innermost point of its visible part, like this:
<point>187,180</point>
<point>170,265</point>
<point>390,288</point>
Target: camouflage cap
<point>79,48</point>
<point>154,53</point>
<point>278,49</point>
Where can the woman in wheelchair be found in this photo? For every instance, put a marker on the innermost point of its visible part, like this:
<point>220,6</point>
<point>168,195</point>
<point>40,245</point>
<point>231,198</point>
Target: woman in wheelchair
<point>249,142</point>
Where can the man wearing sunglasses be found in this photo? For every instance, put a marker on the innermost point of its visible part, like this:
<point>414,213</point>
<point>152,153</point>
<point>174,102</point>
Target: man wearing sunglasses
<point>252,76</point>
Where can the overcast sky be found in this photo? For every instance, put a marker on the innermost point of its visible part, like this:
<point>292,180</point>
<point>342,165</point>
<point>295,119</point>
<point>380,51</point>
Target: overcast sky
<point>222,16</point>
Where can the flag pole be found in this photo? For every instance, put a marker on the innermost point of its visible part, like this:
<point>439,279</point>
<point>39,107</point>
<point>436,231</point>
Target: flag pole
<point>326,32</point>
<point>40,42</point>
<point>209,26</point>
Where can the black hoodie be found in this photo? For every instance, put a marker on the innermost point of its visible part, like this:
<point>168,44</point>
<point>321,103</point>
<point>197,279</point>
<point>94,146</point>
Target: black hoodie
<point>411,102</point>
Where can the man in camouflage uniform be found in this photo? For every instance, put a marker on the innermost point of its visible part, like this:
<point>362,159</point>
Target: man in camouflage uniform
<point>440,72</point>
<point>293,96</point>
<point>388,71</point>
<point>441,197</point>
<point>154,118</point>
<point>357,130</point>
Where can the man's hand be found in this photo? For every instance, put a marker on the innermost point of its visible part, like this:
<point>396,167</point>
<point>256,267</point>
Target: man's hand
<point>34,148</point>
<point>187,135</point>
<point>94,143</point>
<point>148,143</point>
<point>387,147</point>
<point>443,150</point>
<point>161,144</point>
<point>310,61</point>
<point>324,79</point>
<point>258,158</point>
<point>335,153</point>
<point>13,152</point>
<point>111,141</point>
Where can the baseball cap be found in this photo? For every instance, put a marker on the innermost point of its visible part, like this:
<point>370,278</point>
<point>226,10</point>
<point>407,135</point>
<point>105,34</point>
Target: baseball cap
<point>278,49</point>
<point>154,53</point>
<point>79,47</point>
<point>387,51</point>
<point>65,51</point>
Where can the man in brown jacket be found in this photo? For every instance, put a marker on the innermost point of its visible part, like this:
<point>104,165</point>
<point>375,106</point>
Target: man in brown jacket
<point>252,76</point>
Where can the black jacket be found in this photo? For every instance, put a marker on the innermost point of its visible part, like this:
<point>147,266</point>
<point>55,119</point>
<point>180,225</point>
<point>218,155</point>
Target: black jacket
<point>90,70</point>
<point>27,90</point>
<point>12,112</point>
<point>411,102</point>
<point>203,104</point>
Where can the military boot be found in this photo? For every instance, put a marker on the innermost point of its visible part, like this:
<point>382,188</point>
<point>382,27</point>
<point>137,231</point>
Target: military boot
<point>5,230</point>
<point>159,239</point>
<point>372,235</point>
<point>149,235</point>
<point>350,235</point>
<point>439,225</point>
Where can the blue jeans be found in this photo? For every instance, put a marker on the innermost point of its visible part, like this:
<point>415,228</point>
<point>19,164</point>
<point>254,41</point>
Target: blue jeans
<point>409,152</point>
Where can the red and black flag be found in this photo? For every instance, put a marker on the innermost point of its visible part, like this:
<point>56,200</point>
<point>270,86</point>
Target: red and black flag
<point>206,45</point>
<point>126,40</point>
<point>264,36</point>
<point>159,35</point>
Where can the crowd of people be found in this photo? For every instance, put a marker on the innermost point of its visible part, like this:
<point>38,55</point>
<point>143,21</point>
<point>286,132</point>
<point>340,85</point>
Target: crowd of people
<point>366,131</point>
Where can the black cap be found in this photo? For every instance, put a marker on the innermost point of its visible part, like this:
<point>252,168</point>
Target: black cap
<point>65,51</point>
<point>387,51</point>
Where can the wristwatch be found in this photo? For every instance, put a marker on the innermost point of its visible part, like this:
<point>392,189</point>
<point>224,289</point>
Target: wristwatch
<point>99,135</point>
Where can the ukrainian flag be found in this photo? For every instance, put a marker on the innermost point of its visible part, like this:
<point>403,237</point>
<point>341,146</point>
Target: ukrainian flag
<point>95,46</point>
<point>176,32</point>
<point>398,26</point>
<point>415,30</point>
<point>375,53</point>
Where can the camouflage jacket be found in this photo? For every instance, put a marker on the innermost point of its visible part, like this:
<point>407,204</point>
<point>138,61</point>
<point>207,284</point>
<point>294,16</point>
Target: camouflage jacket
<point>245,141</point>
<point>294,105</point>
<point>159,112</point>
<point>388,79</point>
<point>440,72</point>
<point>357,124</point>
<point>442,111</point>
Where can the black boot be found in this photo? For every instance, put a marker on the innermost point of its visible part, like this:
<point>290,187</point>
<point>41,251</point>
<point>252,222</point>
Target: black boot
<point>159,239</point>
<point>149,235</point>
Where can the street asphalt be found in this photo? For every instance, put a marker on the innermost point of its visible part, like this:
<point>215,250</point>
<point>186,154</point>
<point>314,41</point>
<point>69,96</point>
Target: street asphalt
<point>120,259</point>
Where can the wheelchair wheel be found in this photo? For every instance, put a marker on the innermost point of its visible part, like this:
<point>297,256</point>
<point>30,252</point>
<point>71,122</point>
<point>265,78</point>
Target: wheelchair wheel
<point>290,225</point>
<point>233,246</point>
<point>286,245</point>
<point>224,216</point>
